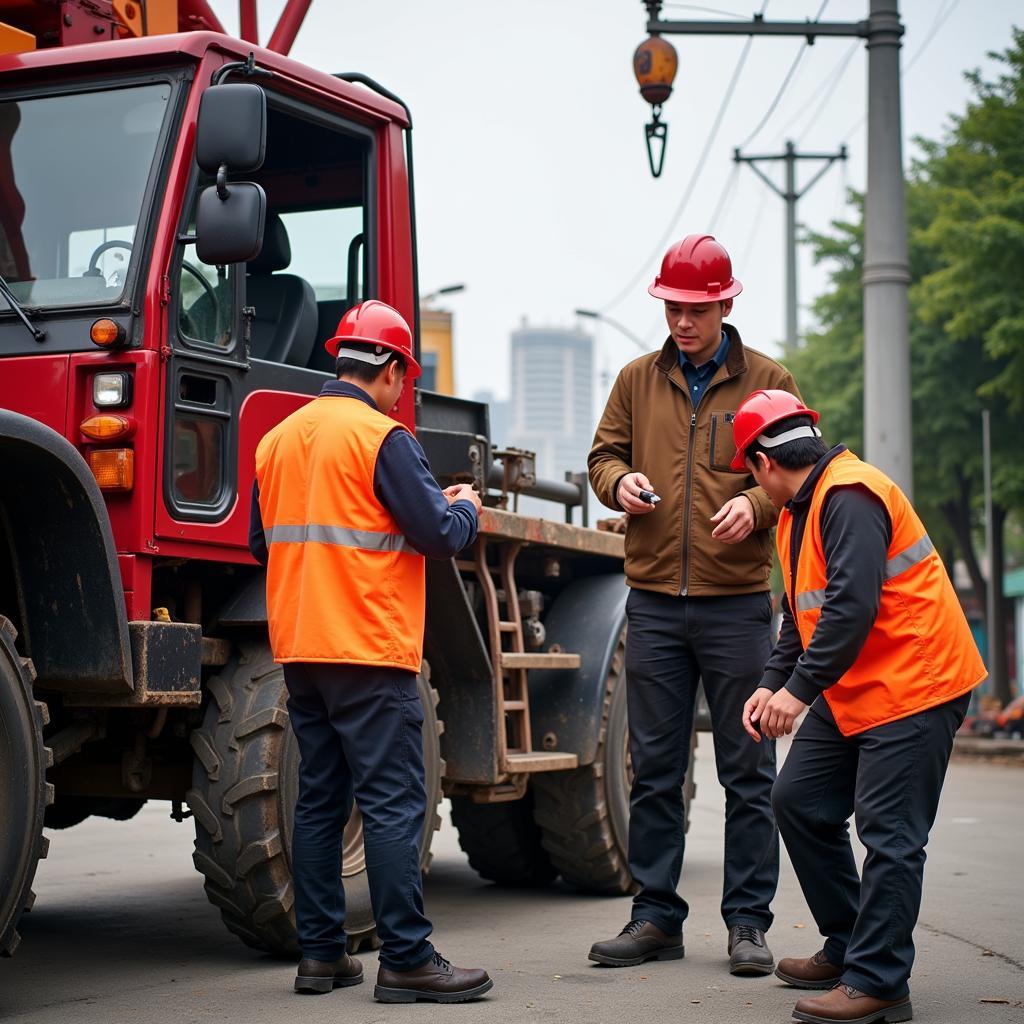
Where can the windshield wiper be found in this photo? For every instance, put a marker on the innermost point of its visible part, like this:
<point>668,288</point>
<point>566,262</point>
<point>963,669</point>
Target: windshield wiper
<point>37,332</point>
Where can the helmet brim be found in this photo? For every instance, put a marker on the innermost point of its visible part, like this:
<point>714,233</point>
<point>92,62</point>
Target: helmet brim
<point>412,368</point>
<point>660,291</point>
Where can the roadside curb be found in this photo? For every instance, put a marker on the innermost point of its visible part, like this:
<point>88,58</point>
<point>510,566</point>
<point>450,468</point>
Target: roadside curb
<point>977,748</point>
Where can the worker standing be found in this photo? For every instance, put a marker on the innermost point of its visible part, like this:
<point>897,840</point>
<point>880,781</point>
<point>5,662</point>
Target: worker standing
<point>875,641</point>
<point>698,558</point>
<point>344,509</point>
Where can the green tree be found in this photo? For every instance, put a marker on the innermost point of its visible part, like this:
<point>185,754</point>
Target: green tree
<point>965,210</point>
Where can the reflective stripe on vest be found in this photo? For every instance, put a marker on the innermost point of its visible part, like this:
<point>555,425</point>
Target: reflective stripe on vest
<point>317,533</point>
<point>907,559</point>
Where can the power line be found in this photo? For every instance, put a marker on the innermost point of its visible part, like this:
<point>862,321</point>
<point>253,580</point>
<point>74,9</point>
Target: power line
<point>837,78</point>
<point>727,194</point>
<point>708,10</point>
<point>785,82</point>
<point>941,17</point>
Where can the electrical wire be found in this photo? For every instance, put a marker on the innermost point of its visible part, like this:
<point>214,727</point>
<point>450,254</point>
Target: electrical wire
<point>785,83</point>
<point>837,77</point>
<point>725,197</point>
<point>707,10</point>
<point>941,17</point>
<point>752,237</point>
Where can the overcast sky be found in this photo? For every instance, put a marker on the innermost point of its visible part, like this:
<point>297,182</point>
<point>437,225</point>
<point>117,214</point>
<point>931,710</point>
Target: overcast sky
<point>532,181</point>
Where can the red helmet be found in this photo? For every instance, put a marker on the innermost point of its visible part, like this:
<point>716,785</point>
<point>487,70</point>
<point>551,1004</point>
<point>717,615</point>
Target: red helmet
<point>759,411</point>
<point>374,323</point>
<point>697,269</point>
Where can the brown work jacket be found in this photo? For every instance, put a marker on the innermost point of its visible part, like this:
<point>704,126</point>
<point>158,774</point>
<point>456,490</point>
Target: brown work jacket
<point>650,426</point>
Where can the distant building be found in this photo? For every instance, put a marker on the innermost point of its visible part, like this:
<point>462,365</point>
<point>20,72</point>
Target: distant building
<point>551,397</point>
<point>436,351</point>
<point>497,416</point>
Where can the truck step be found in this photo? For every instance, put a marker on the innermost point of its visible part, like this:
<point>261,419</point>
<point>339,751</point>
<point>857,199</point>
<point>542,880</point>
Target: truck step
<point>511,659</point>
<point>539,761</point>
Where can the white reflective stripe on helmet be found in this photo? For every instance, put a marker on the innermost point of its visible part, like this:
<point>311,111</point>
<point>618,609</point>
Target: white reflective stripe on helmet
<point>789,435</point>
<point>378,357</point>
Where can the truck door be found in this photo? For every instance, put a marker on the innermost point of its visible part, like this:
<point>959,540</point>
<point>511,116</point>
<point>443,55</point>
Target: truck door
<point>247,341</point>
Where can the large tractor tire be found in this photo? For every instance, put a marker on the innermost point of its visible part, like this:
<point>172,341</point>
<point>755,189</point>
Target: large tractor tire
<point>583,814</point>
<point>24,791</point>
<point>245,784</point>
<point>503,842</point>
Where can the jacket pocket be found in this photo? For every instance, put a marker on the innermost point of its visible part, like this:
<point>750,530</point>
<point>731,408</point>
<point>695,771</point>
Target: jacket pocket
<point>721,447</point>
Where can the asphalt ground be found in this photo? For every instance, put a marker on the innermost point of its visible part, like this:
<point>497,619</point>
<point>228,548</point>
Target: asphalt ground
<point>121,932</point>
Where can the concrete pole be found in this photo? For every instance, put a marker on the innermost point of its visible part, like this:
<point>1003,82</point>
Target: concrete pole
<point>887,425</point>
<point>791,198</point>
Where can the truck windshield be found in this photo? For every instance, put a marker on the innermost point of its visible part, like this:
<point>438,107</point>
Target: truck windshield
<point>73,173</point>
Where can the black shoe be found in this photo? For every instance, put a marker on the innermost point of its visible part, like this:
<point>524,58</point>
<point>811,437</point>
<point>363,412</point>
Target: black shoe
<point>748,952</point>
<point>318,976</point>
<point>638,942</point>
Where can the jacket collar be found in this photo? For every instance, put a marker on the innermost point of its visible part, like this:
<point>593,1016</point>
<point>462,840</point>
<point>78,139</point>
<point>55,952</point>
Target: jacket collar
<point>345,389</point>
<point>802,498</point>
<point>735,361</point>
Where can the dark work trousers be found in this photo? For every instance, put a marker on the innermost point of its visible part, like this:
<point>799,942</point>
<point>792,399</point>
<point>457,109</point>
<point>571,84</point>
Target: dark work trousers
<point>359,731</point>
<point>889,778</point>
<point>672,644</point>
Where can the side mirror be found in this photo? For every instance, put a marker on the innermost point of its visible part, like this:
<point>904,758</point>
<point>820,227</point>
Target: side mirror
<point>231,135</point>
<point>232,128</point>
<point>229,227</point>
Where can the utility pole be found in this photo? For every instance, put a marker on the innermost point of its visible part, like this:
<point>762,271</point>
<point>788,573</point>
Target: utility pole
<point>790,194</point>
<point>887,436</point>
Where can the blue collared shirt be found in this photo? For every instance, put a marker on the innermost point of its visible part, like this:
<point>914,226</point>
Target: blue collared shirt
<point>699,377</point>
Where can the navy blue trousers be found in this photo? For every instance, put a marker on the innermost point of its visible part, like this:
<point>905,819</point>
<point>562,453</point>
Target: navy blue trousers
<point>674,643</point>
<point>889,778</point>
<point>359,731</point>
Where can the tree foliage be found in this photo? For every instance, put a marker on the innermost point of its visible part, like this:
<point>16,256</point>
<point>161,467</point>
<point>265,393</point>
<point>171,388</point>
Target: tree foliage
<point>965,211</point>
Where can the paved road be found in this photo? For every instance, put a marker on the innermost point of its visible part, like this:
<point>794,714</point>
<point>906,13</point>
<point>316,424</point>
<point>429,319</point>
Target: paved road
<point>121,932</point>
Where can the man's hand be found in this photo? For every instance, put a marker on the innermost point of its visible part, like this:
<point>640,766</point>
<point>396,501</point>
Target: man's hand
<point>462,492</point>
<point>735,520</point>
<point>753,709</point>
<point>779,714</point>
<point>628,494</point>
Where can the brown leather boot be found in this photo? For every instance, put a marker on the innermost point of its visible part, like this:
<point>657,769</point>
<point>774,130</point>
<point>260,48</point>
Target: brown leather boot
<point>437,981</point>
<point>317,976</point>
<point>845,1004</point>
<point>637,942</point>
<point>812,972</point>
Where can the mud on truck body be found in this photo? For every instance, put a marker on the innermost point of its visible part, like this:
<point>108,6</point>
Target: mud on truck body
<point>158,199</point>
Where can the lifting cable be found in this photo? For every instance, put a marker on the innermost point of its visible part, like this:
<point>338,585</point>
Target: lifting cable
<point>694,178</point>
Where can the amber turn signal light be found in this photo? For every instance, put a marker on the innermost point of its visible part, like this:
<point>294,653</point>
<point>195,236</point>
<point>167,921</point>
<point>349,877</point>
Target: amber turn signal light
<point>106,333</point>
<point>107,427</point>
<point>114,468</point>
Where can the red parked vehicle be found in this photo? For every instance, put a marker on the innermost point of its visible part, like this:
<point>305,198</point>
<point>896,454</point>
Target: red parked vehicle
<point>164,201</point>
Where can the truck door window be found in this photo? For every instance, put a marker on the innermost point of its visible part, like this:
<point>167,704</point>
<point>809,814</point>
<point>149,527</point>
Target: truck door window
<point>205,299</point>
<point>318,245</point>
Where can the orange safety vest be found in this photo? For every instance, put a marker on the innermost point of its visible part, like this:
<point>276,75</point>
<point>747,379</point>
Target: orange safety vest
<point>343,583</point>
<point>920,651</point>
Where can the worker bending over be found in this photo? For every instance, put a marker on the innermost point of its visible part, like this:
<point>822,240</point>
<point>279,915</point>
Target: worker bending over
<point>874,640</point>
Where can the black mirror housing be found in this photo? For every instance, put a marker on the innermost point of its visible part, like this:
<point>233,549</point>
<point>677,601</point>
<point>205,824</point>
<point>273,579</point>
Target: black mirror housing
<point>232,128</point>
<point>229,226</point>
